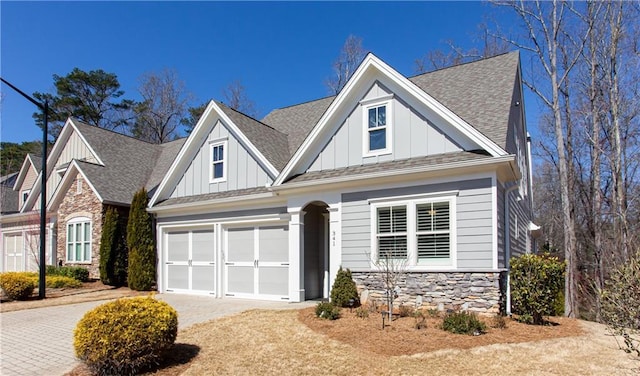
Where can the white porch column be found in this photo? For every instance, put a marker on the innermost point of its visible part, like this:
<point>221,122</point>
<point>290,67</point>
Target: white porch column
<point>335,242</point>
<point>296,256</point>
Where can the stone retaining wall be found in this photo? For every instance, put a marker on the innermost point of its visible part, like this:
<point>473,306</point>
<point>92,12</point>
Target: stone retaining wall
<point>477,292</point>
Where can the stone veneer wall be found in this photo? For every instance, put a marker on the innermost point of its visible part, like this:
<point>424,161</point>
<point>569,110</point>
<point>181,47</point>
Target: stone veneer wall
<point>468,291</point>
<point>83,204</point>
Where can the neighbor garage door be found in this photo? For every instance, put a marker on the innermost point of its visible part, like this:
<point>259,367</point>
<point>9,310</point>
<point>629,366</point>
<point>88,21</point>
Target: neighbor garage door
<point>190,261</point>
<point>257,262</point>
<point>14,253</point>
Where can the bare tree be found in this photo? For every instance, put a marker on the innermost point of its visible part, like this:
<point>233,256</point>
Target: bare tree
<point>235,96</point>
<point>164,103</point>
<point>346,64</point>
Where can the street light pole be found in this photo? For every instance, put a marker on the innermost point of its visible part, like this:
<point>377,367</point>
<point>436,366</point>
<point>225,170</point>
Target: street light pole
<point>43,188</point>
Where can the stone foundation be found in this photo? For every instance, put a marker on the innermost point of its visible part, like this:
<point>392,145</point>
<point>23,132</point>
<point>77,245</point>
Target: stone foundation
<point>477,292</point>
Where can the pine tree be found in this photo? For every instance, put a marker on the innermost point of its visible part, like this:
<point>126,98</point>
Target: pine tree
<point>141,244</point>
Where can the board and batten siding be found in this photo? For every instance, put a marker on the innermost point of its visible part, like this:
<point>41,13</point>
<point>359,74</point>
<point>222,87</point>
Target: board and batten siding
<point>412,136</point>
<point>473,223</point>
<point>75,148</point>
<point>242,169</point>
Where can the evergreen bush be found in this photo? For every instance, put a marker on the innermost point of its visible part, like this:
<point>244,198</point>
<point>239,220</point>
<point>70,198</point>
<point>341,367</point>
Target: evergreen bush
<point>327,310</point>
<point>535,283</point>
<point>344,288</point>
<point>125,336</point>
<point>76,272</point>
<point>113,252</point>
<point>463,323</point>
<point>141,243</point>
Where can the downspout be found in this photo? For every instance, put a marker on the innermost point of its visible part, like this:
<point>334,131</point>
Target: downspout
<point>507,244</point>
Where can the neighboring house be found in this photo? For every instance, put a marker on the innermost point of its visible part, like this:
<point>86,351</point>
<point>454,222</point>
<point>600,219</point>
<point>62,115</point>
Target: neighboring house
<point>88,170</point>
<point>432,169</point>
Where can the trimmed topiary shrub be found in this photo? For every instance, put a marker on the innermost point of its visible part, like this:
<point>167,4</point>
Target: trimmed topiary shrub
<point>535,283</point>
<point>344,288</point>
<point>16,285</point>
<point>326,310</point>
<point>59,281</point>
<point>463,323</point>
<point>113,252</point>
<point>125,336</point>
<point>141,244</point>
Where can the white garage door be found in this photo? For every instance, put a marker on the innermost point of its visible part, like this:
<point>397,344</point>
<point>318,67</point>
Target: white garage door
<point>190,261</point>
<point>257,262</point>
<point>14,253</point>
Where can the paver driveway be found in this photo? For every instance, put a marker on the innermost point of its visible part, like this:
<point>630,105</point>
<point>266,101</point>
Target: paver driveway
<point>40,341</point>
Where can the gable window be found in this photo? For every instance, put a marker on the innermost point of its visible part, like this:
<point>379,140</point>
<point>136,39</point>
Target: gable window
<point>79,240</point>
<point>420,231</point>
<point>25,195</point>
<point>218,160</point>
<point>377,127</point>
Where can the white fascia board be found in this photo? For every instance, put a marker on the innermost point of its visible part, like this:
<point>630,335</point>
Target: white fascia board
<point>206,206</point>
<point>65,184</point>
<point>453,168</point>
<point>372,62</point>
<point>192,142</point>
<point>244,140</point>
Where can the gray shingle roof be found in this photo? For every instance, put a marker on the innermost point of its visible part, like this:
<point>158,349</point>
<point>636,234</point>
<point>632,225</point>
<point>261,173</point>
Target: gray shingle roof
<point>213,196</point>
<point>479,92</point>
<point>297,121</point>
<point>129,164</point>
<point>269,141</point>
<point>437,159</point>
<point>37,161</point>
<point>8,197</point>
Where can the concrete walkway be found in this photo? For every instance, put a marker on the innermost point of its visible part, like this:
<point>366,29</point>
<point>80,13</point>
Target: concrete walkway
<point>40,341</point>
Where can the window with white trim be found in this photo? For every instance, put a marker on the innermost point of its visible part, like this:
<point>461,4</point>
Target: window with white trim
<point>25,195</point>
<point>377,127</point>
<point>422,231</point>
<point>79,240</point>
<point>218,160</point>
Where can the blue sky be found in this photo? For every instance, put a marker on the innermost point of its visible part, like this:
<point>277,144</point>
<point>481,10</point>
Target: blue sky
<point>281,52</point>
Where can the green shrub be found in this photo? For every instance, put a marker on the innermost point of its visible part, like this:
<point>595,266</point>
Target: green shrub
<point>326,310</point>
<point>621,303</point>
<point>17,285</point>
<point>113,251</point>
<point>535,283</point>
<point>59,281</point>
<point>141,243</point>
<point>463,323</point>
<point>362,312</point>
<point>125,336</point>
<point>344,288</point>
<point>558,304</point>
<point>76,272</point>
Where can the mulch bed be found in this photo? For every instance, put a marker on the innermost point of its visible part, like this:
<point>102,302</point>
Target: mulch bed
<point>401,338</point>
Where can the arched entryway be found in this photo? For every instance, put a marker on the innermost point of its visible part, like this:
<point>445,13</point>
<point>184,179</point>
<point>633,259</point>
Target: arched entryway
<point>316,250</point>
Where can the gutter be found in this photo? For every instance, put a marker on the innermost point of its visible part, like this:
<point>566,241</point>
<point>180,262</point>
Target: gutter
<point>507,244</point>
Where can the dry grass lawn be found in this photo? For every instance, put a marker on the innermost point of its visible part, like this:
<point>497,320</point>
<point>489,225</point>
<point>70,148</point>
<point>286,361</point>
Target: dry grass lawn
<point>262,342</point>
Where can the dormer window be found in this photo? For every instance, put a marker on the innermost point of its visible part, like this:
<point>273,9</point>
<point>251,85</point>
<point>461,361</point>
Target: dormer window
<point>218,162</point>
<point>377,127</point>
